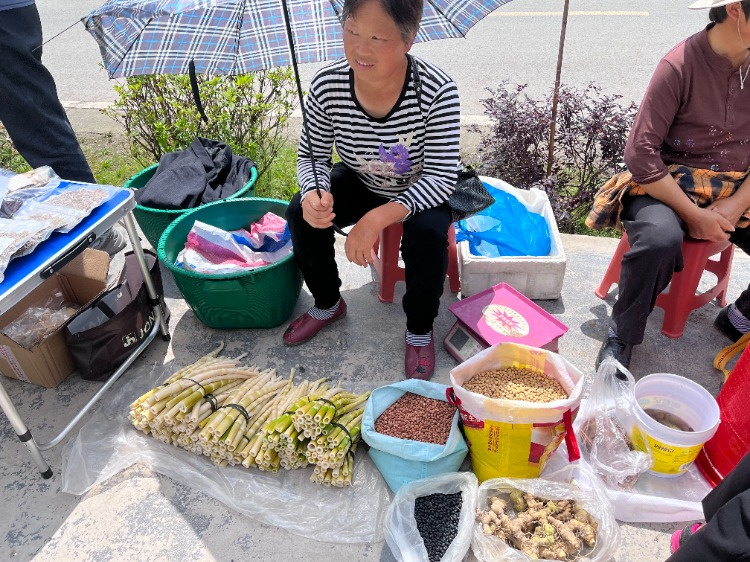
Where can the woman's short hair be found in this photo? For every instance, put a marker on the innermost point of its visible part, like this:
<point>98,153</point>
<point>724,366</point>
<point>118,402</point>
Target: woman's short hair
<point>406,14</point>
<point>719,14</point>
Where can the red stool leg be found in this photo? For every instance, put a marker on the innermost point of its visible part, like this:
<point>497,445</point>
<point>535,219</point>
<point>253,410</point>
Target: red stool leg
<point>389,272</point>
<point>453,278</point>
<point>612,275</point>
<point>681,299</point>
<point>722,268</point>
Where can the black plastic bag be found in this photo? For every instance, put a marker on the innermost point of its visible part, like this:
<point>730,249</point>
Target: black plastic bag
<point>469,197</point>
<point>103,335</point>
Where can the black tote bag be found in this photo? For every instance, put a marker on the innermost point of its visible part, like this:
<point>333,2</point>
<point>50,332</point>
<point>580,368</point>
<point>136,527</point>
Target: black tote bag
<point>103,335</point>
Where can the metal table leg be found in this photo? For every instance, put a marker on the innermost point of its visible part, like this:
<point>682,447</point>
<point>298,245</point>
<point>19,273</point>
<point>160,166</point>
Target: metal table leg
<point>154,298</point>
<point>159,326</point>
<point>23,433</point>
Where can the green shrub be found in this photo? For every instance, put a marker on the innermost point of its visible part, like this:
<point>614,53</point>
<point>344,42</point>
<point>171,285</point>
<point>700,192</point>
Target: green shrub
<point>9,157</point>
<point>590,136</point>
<point>248,112</point>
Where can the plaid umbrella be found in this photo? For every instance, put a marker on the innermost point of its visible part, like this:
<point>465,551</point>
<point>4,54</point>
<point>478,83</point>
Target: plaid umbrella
<point>241,36</point>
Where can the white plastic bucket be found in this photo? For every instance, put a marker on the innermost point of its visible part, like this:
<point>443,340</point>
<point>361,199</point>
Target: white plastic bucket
<point>674,450</point>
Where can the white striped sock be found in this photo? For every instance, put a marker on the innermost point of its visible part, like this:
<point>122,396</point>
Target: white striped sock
<point>418,340</point>
<point>323,313</point>
<point>738,319</point>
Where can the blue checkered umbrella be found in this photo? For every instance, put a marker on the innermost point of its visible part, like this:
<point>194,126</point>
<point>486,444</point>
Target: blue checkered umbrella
<point>241,36</point>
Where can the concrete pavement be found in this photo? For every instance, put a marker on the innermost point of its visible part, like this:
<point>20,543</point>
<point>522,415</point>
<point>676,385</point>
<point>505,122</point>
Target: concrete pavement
<point>139,513</point>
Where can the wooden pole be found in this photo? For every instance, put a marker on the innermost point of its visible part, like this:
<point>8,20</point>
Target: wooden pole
<point>556,94</point>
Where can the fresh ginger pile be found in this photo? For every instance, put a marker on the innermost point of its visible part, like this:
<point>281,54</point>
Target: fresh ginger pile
<point>546,529</point>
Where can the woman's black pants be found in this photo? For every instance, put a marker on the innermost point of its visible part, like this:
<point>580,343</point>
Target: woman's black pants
<point>424,248</point>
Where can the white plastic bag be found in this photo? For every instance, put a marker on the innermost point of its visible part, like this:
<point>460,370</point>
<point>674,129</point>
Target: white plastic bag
<point>573,482</point>
<point>604,425</point>
<point>652,500</point>
<point>401,531</point>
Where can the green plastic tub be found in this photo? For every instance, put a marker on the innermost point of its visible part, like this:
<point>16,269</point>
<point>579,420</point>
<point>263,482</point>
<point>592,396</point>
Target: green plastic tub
<point>258,298</point>
<point>154,221</point>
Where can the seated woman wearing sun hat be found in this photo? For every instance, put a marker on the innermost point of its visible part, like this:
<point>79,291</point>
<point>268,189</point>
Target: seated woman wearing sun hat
<point>688,156</point>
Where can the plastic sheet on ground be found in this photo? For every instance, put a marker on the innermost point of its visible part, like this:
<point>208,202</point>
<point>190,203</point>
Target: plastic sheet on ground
<point>652,500</point>
<point>108,444</point>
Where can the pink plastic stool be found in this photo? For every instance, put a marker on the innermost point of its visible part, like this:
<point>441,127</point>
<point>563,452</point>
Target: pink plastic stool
<point>385,254</point>
<point>681,299</point>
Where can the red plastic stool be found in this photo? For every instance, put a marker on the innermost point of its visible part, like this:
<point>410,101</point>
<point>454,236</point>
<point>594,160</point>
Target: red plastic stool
<point>681,299</point>
<point>385,254</point>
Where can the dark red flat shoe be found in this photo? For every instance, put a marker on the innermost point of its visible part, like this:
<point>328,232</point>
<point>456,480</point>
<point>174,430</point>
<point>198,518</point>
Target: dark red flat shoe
<point>306,327</point>
<point>419,361</point>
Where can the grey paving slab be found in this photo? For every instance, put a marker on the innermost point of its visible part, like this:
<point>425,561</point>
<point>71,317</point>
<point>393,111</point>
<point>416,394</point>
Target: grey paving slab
<point>140,514</point>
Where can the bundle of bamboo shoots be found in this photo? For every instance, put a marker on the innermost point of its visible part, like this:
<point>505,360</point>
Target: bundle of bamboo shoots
<point>243,415</point>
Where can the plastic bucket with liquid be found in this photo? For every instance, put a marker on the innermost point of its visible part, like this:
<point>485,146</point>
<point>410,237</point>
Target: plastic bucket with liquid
<point>689,417</point>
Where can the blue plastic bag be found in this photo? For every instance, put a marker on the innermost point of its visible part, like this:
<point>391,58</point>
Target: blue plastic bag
<point>401,461</point>
<point>505,228</point>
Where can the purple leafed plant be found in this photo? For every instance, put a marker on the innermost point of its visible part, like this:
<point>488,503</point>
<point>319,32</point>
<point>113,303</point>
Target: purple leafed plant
<point>590,136</point>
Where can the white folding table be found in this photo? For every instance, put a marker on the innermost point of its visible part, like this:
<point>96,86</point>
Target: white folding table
<point>24,274</point>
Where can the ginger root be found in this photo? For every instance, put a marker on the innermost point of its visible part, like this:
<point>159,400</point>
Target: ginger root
<point>541,528</point>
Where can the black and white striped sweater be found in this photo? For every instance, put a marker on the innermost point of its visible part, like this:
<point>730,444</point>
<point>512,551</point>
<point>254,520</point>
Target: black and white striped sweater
<point>411,155</point>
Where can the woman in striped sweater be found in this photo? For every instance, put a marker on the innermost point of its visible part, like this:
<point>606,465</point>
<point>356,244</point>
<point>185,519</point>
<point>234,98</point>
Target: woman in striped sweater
<point>394,120</point>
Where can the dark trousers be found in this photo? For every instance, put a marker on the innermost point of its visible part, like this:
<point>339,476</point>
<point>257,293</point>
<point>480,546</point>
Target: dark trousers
<point>655,233</point>
<point>424,248</point>
<point>29,107</point>
<point>726,535</point>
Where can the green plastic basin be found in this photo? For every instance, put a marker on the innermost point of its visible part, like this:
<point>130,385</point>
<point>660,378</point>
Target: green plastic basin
<point>258,298</point>
<point>154,221</point>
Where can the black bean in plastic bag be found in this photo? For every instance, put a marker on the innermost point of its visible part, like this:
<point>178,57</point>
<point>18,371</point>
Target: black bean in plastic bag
<point>437,517</point>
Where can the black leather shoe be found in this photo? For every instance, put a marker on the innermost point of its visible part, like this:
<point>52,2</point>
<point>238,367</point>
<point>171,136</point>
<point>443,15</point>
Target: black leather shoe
<point>725,326</point>
<point>616,348</point>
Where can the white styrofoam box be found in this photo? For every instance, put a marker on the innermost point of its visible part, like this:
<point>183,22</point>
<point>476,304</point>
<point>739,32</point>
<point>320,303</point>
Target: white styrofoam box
<point>537,277</point>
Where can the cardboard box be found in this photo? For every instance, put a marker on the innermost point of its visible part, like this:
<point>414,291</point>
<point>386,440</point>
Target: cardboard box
<point>49,362</point>
<point>537,277</point>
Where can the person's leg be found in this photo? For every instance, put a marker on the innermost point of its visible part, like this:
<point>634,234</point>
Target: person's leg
<point>734,320</point>
<point>314,252</point>
<point>735,483</point>
<point>424,247</point>
<point>725,536</point>
<point>313,247</point>
<point>29,108</point>
<point>655,235</point>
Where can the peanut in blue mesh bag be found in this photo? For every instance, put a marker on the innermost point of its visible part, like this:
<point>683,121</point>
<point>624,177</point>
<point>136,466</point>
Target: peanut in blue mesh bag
<point>401,461</point>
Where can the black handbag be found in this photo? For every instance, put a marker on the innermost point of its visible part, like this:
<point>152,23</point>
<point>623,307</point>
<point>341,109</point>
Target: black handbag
<point>101,337</point>
<point>470,196</point>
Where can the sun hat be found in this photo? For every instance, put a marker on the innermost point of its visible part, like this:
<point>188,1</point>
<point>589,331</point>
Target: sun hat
<point>701,4</point>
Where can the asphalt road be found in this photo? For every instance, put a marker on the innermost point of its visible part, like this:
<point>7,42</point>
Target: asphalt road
<point>615,44</point>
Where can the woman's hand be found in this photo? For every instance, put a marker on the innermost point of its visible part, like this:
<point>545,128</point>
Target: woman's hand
<point>707,224</point>
<point>318,211</point>
<point>729,208</point>
<point>361,239</point>
<point>363,235</point>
